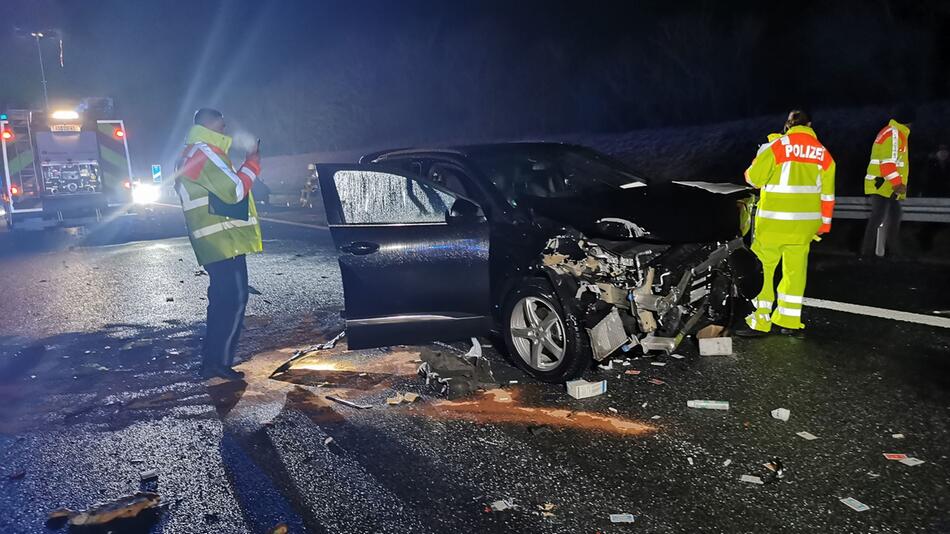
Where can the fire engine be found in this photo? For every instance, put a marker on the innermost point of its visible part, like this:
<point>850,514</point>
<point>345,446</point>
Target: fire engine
<point>66,168</point>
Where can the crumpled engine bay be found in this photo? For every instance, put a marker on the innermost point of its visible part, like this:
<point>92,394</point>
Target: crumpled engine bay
<point>631,293</point>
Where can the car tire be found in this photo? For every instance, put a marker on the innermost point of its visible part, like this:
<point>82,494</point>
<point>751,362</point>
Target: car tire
<point>523,339</point>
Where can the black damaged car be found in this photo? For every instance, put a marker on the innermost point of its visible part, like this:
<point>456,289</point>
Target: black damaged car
<point>565,253</point>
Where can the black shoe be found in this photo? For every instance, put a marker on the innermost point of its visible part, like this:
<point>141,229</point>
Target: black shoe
<point>792,332</point>
<point>745,331</point>
<point>221,372</point>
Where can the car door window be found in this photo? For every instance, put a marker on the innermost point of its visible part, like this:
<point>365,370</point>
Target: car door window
<point>374,197</point>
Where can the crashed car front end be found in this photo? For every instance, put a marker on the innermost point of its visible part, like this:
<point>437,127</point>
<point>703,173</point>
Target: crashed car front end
<point>635,293</point>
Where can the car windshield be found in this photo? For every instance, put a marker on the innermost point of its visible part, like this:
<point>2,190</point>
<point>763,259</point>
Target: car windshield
<point>553,172</point>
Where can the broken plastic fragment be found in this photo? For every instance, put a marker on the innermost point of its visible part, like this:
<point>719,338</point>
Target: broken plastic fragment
<point>726,463</point>
<point>678,356</point>
<point>582,389</point>
<point>149,474</point>
<point>656,381</point>
<point>622,518</point>
<point>897,436</point>
<point>658,364</point>
<point>502,505</point>
<point>392,401</point>
<point>708,404</point>
<point>895,456</point>
<point>911,461</point>
<point>690,460</point>
<point>345,402</point>
<point>410,397</point>
<point>751,479</point>
<point>631,372</point>
<point>806,435</point>
<point>781,414</point>
<point>715,346</point>
<point>476,350</point>
<point>855,504</point>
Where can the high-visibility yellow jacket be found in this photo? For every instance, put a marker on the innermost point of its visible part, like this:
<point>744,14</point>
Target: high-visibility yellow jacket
<point>204,167</point>
<point>889,160</point>
<point>796,175</point>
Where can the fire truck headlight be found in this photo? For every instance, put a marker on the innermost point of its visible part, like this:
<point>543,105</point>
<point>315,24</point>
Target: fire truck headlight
<point>145,193</point>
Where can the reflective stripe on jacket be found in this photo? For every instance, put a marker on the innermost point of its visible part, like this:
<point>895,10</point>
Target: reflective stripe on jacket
<point>889,160</point>
<point>796,175</point>
<point>205,167</point>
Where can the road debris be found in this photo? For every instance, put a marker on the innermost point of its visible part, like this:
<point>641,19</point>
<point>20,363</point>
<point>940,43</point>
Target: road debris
<point>101,514</point>
<point>608,367</point>
<point>715,346</point>
<point>582,389</point>
<point>658,364</point>
<point>476,350</point>
<point>806,435</point>
<point>504,504</point>
<point>708,404</point>
<point>690,460</point>
<point>631,372</point>
<point>300,353</point>
<point>456,375</point>
<point>279,528</point>
<point>677,356</point>
<point>727,462</point>
<point>911,461</point>
<point>751,479</point>
<point>777,469</point>
<point>782,414</point>
<point>656,381</point>
<point>547,509</point>
<point>855,504</point>
<point>351,404</point>
<point>895,456</point>
<point>655,417</point>
<point>897,436</point>
<point>327,442</point>
<point>622,518</point>
<point>148,474</point>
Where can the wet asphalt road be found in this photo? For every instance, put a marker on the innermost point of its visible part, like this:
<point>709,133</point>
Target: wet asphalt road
<point>97,341</point>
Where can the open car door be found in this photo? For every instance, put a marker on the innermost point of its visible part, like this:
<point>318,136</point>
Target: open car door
<point>413,256</point>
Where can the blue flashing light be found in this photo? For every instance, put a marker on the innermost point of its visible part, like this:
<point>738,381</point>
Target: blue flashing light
<point>3,116</point>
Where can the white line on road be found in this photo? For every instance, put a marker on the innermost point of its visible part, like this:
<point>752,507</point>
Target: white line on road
<point>268,219</point>
<point>883,313</point>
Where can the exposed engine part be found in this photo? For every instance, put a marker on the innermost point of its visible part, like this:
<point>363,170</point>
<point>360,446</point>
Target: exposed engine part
<point>627,293</point>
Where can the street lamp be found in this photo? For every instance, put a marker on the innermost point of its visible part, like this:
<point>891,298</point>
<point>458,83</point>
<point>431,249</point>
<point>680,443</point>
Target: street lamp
<point>39,51</point>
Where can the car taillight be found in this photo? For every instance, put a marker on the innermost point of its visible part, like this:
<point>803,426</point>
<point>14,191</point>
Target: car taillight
<point>7,135</point>
<point>14,190</point>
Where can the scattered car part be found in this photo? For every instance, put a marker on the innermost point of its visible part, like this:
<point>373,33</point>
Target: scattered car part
<point>301,353</point>
<point>582,389</point>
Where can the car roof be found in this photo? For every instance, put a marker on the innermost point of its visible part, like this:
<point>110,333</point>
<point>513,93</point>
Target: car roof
<point>465,150</point>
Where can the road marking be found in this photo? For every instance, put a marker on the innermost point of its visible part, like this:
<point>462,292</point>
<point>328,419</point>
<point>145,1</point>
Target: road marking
<point>883,313</point>
<point>268,219</point>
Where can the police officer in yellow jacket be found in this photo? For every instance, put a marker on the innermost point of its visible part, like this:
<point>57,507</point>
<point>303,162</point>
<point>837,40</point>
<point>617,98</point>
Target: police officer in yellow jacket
<point>885,183</point>
<point>223,229</point>
<point>796,176</point>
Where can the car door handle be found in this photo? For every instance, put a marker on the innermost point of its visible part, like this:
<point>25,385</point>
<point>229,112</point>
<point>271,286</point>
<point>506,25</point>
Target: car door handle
<point>360,248</point>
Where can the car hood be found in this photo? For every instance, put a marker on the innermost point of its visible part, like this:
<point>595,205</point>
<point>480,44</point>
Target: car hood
<point>673,212</point>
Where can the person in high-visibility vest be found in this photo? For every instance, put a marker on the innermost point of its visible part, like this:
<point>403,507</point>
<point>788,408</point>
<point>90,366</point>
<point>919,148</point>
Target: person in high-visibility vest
<point>796,176</point>
<point>223,228</point>
<point>885,183</point>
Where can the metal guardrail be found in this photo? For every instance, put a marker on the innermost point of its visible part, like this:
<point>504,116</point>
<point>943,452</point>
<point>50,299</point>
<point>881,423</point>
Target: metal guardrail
<point>914,209</point>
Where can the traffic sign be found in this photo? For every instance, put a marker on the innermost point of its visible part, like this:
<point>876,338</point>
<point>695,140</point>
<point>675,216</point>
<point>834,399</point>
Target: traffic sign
<point>157,174</point>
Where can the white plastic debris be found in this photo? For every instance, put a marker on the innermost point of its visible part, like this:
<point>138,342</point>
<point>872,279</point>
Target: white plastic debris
<point>708,404</point>
<point>806,435</point>
<point>678,356</point>
<point>726,463</point>
<point>751,479</point>
<point>502,505</point>
<point>655,417</point>
<point>658,364</point>
<point>582,389</point>
<point>410,397</point>
<point>690,460</point>
<point>327,442</point>
<point>512,381</point>
<point>148,474</point>
<point>608,336</point>
<point>622,518</point>
<point>782,414</point>
<point>608,367</point>
<point>855,504</point>
<point>612,409</point>
<point>897,436</point>
<point>715,346</point>
<point>476,350</point>
<point>911,461</point>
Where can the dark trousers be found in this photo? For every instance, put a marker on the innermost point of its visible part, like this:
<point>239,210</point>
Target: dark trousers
<point>887,212</point>
<point>227,299</point>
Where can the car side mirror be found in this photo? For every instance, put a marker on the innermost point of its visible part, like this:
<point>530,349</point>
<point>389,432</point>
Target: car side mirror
<point>464,211</point>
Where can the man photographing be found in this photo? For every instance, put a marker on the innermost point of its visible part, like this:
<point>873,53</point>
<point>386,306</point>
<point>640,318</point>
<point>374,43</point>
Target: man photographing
<point>223,229</point>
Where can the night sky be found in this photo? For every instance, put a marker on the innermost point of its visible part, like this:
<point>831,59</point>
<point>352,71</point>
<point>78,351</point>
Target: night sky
<point>320,75</point>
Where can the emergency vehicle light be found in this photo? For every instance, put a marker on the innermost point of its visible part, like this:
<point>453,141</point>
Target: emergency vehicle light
<point>14,190</point>
<point>7,135</point>
<point>65,115</point>
<point>118,133</point>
